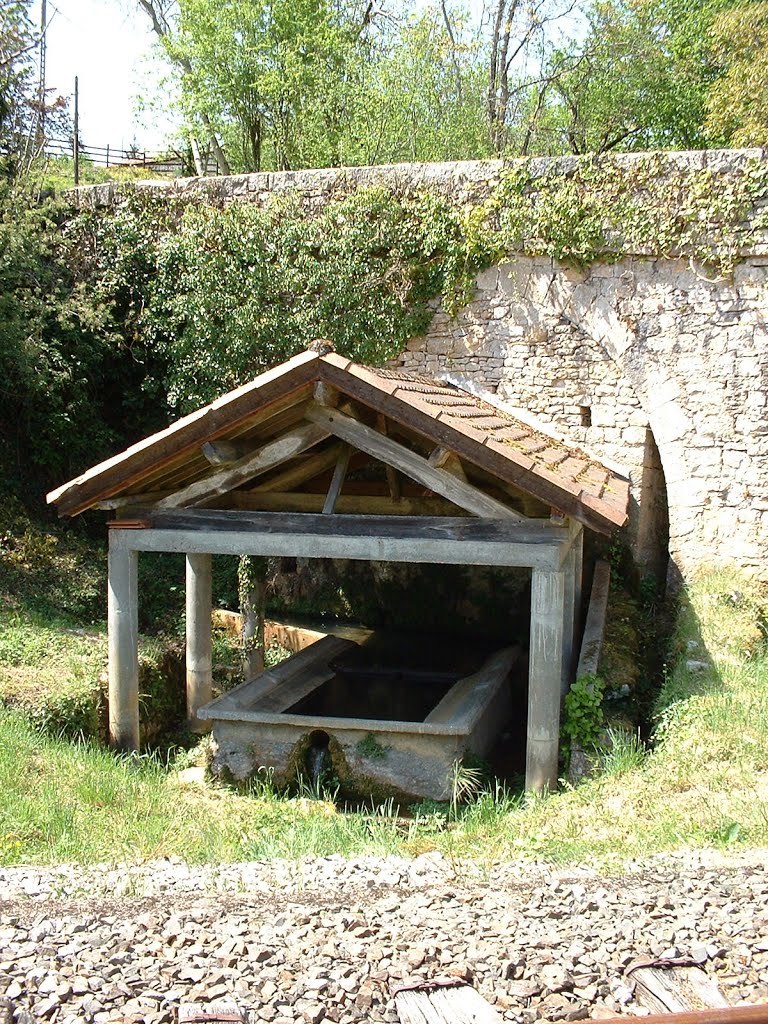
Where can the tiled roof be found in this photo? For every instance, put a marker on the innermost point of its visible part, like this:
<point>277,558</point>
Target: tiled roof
<point>482,434</point>
<point>536,456</point>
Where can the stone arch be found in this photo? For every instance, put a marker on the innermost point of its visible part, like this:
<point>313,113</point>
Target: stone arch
<point>555,340</point>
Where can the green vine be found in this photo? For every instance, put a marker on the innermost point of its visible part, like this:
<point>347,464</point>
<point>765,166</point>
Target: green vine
<point>602,210</point>
<point>251,583</point>
<point>205,297</point>
<point>583,719</point>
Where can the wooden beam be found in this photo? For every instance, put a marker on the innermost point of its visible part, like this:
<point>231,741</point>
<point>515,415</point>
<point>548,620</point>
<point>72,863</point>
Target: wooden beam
<point>346,504</point>
<point>325,395</point>
<point>122,501</point>
<point>272,454</point>
<point>456,540</point>
<point>545,670</point>
<point>409,463</point>
<point>393,480</point>
<point>443,458</point>
<point>354,381</point>
<point>187,434</point>
<point>222,453</point>
<point>337,480</point>
<point>302,470</point>
<point>123,640</point>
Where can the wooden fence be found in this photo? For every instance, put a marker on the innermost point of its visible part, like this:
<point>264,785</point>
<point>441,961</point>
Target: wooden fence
<point>111,156</point>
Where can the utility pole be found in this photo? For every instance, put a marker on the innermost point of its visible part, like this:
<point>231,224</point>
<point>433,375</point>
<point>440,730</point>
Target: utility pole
<point>76,138</point>
<point>41,84</point>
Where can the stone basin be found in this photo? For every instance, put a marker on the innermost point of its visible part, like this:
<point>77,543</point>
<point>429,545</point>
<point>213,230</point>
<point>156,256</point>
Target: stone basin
<point>379,727</point>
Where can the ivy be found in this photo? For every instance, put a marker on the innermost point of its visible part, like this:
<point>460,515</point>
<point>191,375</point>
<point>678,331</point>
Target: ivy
<point>583,718</point>
<point>115,321</point>
<point>600,209</point>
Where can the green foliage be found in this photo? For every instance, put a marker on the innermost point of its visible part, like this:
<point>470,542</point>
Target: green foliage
<point>16,71</point>
<point>600,210</point>
<point>371,747</point>
<point>637,79</point>
<point>583,717</point>
<point>315,83</point>
<point>49,571</point>
<point>624,752</point>
<point>737,102</point>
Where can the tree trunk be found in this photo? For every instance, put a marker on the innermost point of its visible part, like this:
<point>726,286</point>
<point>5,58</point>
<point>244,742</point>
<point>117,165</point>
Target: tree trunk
<point>253,590</point>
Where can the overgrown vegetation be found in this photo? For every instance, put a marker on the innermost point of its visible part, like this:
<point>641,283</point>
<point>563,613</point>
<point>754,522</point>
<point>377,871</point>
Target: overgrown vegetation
<point>703,781</point>
<point>112,322</point>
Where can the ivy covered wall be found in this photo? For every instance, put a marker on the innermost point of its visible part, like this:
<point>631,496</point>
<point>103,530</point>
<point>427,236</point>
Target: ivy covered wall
<point>622,298</point>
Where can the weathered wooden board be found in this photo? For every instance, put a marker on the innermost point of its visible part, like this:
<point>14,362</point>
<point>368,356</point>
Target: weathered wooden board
<point>410,463</point>
<point>272,454</point>
<point>439,1004</point>
<point>210,1013</point>
<point>346,504</point>
<point>676,989</point>
<point>186,435</point>
<point>458,541</point>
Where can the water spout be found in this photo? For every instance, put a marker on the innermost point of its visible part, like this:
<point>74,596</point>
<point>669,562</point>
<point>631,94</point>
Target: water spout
<point>318,758</point>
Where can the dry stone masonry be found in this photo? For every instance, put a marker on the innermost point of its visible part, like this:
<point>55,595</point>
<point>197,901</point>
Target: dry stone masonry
<point>658,364</point>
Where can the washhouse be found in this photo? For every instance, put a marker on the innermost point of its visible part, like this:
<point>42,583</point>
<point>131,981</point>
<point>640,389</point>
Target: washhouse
<point>321,458</point>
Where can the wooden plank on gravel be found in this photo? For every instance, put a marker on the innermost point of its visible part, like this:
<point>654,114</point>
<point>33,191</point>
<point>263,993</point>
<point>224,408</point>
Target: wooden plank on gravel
<point>443,1002</point>
<point>197,1013</point>
<point>675,988</point>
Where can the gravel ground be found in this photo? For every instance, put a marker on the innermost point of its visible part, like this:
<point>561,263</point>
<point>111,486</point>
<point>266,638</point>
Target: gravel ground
<point>297,943</point>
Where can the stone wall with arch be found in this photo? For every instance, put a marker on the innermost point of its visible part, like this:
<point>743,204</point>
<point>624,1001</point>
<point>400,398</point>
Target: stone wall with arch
<point>650,363</point>
<point>657,364</point>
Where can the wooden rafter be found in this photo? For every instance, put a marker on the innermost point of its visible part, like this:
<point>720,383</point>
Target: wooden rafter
<point>272,454</point>
<point>337,480</point>
<point>346,504</point>
<point>412,465</point>
<point>302,470</point>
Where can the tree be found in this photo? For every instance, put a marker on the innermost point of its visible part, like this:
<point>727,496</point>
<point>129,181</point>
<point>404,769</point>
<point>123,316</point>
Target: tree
<point>271,80</point>
<point>737,104</point>
<point>638,80</point>
<point>17,45</point>
<point>160,13</point>
<point>517,27</point>
<point>422,98</point>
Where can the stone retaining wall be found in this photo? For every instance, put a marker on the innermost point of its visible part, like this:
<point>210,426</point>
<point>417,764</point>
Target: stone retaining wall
<point>653,363</point>
<point>648,363</point>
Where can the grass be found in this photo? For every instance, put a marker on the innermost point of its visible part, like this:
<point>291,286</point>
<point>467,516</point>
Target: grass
<point>704,782</point>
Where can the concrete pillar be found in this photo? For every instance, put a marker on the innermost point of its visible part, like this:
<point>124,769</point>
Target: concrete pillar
<point>545,675</point>
<point>199,656</point>
<point>123,629</point>
<point>572,567</point>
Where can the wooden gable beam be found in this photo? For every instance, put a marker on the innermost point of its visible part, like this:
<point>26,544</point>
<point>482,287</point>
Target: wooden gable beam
<point>143,459</point>
<point>412,465</point>
<point>379,394</point>
<point>337,480</point>
<point>443,458</point>
<point>272,454</point>
<point>224,453</point>
<point>299,473</point>
<point>393,481</point>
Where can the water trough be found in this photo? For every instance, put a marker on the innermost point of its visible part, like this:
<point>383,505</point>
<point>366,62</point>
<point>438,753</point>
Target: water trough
<point>382,715</point>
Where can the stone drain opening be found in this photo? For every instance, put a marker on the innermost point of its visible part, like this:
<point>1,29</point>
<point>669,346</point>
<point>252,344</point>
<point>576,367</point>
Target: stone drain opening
<point>318,758</point>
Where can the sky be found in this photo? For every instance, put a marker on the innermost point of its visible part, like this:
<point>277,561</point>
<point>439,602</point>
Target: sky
<point>108,46</point>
